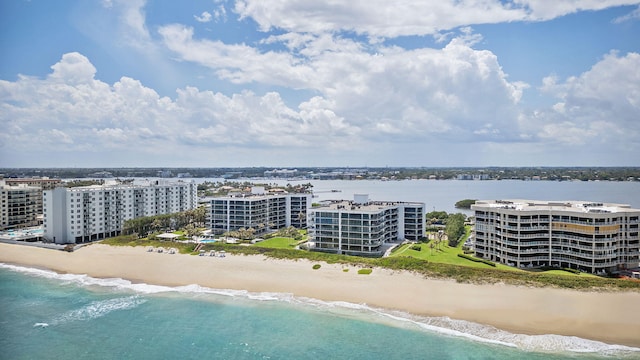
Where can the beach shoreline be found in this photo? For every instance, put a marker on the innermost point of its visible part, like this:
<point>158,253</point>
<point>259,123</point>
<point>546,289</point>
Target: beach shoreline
<point>602,316</point>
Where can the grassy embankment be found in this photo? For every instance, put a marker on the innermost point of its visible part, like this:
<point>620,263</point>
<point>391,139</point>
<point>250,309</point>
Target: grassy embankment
<point>444,264</point>
<point>278,243</point>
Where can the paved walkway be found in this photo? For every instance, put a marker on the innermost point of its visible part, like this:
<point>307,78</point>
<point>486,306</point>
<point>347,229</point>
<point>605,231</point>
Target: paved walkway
<point>39,244</point>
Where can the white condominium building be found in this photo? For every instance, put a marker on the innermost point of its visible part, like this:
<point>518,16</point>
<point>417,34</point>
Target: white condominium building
<point>258,210</point>
<point>20,205</point>
<point>592,237</point>
<point>88,213</point>
<point>361,227</point>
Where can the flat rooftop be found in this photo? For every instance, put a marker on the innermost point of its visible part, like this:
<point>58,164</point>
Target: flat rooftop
<point>541,205</point>
<point>370,206</point>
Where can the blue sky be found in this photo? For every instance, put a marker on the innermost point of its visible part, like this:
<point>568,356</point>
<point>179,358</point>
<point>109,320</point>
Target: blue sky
<point>286,83</point>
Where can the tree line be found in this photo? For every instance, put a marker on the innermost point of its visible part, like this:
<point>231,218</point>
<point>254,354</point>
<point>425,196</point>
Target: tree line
<point>188,220</point>
<point>453,224</point>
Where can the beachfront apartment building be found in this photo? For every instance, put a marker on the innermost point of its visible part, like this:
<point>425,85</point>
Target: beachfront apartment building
<point>43,183</point>
<point>88,213</point>
<point>362,227</point>
<point>259,210</point>
<point>20,206</point>
<point>592,237</point>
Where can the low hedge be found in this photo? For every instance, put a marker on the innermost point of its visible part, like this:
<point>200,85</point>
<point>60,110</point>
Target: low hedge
<point>474,259</point>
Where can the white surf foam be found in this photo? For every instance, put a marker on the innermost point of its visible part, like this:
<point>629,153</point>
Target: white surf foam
<point>482,333</point>
<point>97,309</point>
<point>442,325</point>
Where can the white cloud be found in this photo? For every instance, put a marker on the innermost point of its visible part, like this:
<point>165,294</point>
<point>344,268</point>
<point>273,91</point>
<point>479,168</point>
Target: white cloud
<point>220,13</point>
<point>598,109</point>
<point>423,91</point>
<point>634,15</point>
<point>388,19</point>
<point>73,112</point>
<point>133,28</point>
<point>351,96</point>
<point>204,17</point>
<point>74,68</point>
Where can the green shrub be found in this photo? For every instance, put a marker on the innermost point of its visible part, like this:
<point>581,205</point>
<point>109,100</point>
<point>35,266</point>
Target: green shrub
<point>575,271</point>
<point>465,256</point>
<point>365,271</point>
<point>345,270</point>
<point>316,266</point>
<point>416,247</point>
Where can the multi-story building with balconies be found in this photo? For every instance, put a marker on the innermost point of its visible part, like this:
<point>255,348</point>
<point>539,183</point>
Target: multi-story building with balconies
<point>362,227</point>
<point>258,210</point>
<point>592,237</point>
<point>88,213</point>
<point>19,205</point>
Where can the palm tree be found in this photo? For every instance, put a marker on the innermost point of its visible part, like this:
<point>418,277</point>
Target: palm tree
<point>191,230</point>
<point>156,225</point>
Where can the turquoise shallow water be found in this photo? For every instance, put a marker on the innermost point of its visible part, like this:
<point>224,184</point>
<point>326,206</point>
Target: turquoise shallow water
<point>51,316</point>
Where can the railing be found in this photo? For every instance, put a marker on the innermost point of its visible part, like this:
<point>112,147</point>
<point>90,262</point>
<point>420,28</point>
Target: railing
<point>587,223</point>
<point>525,236</point>
<point>584,247</point>
<point>521,243</point>
<point>584,263</point>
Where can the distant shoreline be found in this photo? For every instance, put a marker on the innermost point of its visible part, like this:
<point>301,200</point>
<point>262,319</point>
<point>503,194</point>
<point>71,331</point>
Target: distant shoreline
<point>602,316</point>
<point>549,173</point>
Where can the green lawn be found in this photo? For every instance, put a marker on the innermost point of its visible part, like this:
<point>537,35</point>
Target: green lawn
<point>278,243</point>
<point>449,255</point>
<point>445,255</point>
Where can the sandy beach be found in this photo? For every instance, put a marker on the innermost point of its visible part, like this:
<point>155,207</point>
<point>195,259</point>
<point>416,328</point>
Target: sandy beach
<point>610,317</point>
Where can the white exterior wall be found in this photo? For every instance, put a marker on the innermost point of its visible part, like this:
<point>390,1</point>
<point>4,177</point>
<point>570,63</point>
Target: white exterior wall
<point>329,224</point>
<point>588,236</point>
<point>55,215</point>
<point>220,216</point>
<point>91,213</point>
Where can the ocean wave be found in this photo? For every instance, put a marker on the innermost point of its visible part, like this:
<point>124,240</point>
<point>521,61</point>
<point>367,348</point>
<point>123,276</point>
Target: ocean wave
<point>441,325</point>
<point>97,309</point>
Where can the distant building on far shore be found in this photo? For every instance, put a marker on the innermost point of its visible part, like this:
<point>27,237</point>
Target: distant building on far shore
<point>89,213</point>
<point>281,173</point>
<point>362,227</point>
<point>260,210</point>
<point>44,183</point>
<point>588,236</point>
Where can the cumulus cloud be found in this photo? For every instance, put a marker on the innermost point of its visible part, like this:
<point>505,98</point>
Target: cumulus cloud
<point>71,110</point>
<point>388,19</point>
<point>204,17</point>
<point>352,96</point>
<point>74,68</point>
<point>380,89</point>
<point>458,95</point>
<point>598,108</point>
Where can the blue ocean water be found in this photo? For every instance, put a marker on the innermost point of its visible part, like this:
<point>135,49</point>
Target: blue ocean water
<point>45,315</point>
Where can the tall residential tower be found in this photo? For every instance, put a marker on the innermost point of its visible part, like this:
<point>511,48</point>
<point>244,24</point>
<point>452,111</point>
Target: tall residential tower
<point>88,213</point>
